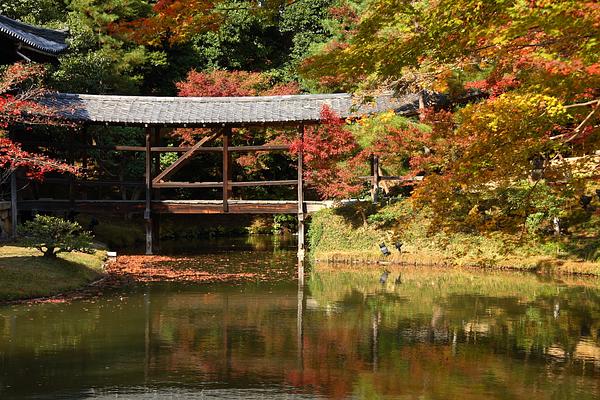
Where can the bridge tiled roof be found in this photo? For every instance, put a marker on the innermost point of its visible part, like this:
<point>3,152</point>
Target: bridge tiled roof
<point>212,111</point>
<point>43,40</point>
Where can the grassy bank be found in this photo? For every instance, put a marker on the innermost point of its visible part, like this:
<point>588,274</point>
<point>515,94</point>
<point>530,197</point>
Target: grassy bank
<point>25,274</point>
<point>352,234</point>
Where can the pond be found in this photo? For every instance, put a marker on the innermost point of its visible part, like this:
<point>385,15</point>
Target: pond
<point>439,334</point>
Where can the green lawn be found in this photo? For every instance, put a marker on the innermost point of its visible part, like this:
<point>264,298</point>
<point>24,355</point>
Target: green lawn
<point>25,274</point>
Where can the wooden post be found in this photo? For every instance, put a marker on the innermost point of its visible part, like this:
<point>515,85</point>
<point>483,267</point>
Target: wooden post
<point>156,217</point>
<point>226,169</point>
<point>148,210</point>
<point>230,164</point>
<point>301,249</point>
<point>13,204</point>
<point>84,160</point>
<point>71,161</point>
<point>375,179</point>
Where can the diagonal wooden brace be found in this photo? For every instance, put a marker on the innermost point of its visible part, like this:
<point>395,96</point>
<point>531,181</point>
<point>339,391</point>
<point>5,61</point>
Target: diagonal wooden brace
<point>176,166</point>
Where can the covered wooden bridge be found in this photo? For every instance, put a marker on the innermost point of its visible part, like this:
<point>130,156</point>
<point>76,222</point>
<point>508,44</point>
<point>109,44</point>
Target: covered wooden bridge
<point>219,115</point>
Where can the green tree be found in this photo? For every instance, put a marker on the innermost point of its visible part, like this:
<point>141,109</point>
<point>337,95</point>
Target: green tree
<point>52,235</point>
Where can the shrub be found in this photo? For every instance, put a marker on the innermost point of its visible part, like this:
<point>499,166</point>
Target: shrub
<point>283,223</point>
<point>53,235</point>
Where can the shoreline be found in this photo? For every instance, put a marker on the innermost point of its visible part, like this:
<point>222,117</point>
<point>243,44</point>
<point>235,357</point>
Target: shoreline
<point>128,270</point>
<point>88,291</point>
<point>534,264</point>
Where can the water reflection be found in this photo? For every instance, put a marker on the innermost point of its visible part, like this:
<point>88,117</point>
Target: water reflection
<point>440,334</point>
<point>259,243</point>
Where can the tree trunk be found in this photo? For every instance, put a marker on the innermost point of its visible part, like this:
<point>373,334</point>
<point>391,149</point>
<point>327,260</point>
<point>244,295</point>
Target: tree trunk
<point>49,253</point>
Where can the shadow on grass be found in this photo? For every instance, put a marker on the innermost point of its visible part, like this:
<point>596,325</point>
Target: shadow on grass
<point>356,214</point>
<point>29,276</point>
<point>587,249</point>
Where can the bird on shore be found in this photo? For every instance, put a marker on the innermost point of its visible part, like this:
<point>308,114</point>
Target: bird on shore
<point>398,280</point>
<point>384,250</point>
<point>384,277</point>
<point>398,246</point>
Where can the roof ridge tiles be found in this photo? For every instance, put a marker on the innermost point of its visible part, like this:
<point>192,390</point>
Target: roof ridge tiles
<point>224,99</point>
<point>201,111</point>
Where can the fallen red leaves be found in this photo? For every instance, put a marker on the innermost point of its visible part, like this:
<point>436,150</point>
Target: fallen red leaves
<point>209,268</point>
<point>169,269</point>
<point>237,267</point>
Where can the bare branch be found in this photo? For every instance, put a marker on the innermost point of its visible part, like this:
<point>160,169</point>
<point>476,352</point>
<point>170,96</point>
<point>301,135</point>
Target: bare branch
<point>577,131</point>
<point>583,123</point>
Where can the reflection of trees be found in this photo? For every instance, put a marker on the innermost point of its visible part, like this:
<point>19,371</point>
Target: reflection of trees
<point>444,334</point>
<point>50,347</point>
<point>463,320</point>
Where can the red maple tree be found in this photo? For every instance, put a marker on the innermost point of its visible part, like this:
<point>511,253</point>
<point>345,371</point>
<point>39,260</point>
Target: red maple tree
<point>222,83</point>
<point>330,155</point>
<point>18,105</point>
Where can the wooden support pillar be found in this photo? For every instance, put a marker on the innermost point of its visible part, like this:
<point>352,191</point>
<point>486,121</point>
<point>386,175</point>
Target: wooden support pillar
<point>301,214</point>
<point>84,159</point>
<point>148,210</point>
<point>71,161</point>
<point>375,179</point>
<point>226,169</point>
<point>230,164</point>
<point>14,211</point>
<point>156,193</point>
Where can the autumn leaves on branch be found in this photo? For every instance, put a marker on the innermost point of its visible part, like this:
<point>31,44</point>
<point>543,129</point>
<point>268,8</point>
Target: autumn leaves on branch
<point>19,89</point>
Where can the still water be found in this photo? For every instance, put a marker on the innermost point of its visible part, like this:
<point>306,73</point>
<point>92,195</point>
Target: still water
<point>440,334</point>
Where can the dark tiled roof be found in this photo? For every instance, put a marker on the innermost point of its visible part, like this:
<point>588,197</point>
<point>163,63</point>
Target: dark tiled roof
<point>206,111</point>
<point>44,40</point>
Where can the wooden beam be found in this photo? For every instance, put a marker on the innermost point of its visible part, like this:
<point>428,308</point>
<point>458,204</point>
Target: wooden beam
<point>165,149</point>
<point>171,206</point>
<point>184,158</point>
<point>185,149</point>
<point>264,183</point>
<point>199,185</point>
<point>122,148</point>
<point>188,185</point>
<point>66,181</point>
<point>77,146</point>
<point>234,208</point>
<point>218,149</point>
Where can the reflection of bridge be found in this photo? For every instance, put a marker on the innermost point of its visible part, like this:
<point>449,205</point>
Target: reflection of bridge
<point>216,115</point>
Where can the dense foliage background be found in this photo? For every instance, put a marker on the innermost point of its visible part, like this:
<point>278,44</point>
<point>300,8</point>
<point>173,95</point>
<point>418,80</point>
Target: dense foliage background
<point>515,150</point>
